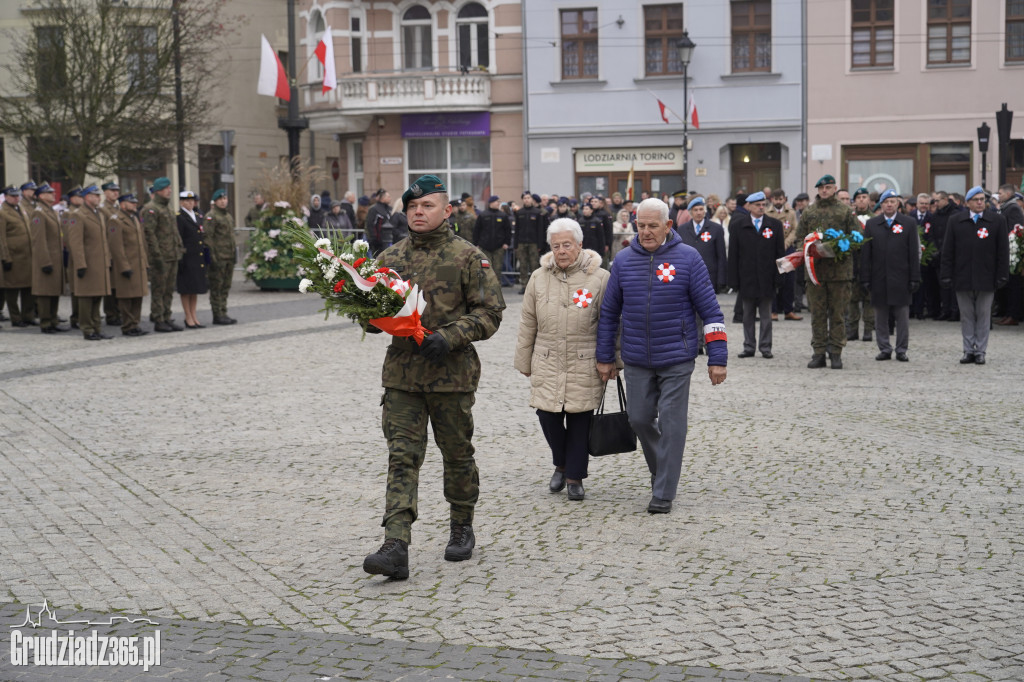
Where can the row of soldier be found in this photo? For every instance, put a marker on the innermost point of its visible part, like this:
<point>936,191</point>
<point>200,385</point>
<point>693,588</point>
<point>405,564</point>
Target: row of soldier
<point>105,252</point>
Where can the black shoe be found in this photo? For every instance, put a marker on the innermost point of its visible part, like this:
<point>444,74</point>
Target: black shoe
<point>392,560</point>
<point>104,336</point>
<point>3,318</point>
<point>74,324</point>
<point>817,361</point>
<point>175,327</point>
<point>902,357</point>
<point>162,327</point>
<point>659,506</point>
<point>979,359</point>
<point>114,322</point>
<point>837,362</point>
<point>48,330</point>
<point>92,337</point>
<point>58,328</point>
<point>20,323</point>
<point>737,320</point>
<point>967,359</point>
<point>576,491</point>
<point>460,543</point>
<point>522,291</point>
<point>224,320</point>
<point>851,336</point>
<point>700,351</point>
<point>884,356</point>
<point>767,355</point>
<point>557,481</point>
<point>195,326</point>
<point>134,332</point>
<point>746,354</point>
<point>866,337</point>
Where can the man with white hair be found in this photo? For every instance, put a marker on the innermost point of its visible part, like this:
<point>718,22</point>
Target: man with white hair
<point>657,286</point>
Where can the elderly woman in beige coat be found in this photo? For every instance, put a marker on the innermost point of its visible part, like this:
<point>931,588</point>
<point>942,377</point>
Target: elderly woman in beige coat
<point>557,340</point>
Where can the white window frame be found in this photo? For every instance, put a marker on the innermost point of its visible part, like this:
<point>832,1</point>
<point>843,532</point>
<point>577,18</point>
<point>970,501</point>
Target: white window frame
<point>474,40</point>
<point>420,26</point>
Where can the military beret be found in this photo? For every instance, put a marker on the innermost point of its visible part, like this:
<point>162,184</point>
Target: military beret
<point>111,185</point>
<point>756,196</point>
<point>562,201</point>
<point>161,183</point>
<point>973,192</point>
<point>536,198</point>
<point>219,193</point>
<point>186,194</point>
<point>91,189</point>
<point>861,190</point>
<point>825,180</point>
<point>128,197</point>
<point>466,195</point>
<point>699,201</point>
<point>888,194</point>
<point>493,198</point>
<point>801,197</point>
<point>28,185</point>
<point>45,189</point>
<point>12,191</point>
<point>364,201</point>
<point>424,185</point>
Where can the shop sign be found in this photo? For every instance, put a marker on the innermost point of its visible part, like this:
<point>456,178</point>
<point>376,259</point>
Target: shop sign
<point>639,159</point>
<point>469,124</point>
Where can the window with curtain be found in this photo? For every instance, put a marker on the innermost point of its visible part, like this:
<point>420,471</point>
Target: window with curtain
<point>416,38</point>
<point>579,43</point>
<point>462,163</point>
<point>872,38</point>
<point>473,43</point>
<point>356,40</point>
<point>51,66</point>
<point>949,32</point>
<point>1015,31</point>
<point>663,27</point>
<point>751,35</point>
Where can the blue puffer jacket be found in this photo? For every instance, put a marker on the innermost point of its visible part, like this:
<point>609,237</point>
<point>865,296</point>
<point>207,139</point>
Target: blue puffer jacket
<point>658,324</point>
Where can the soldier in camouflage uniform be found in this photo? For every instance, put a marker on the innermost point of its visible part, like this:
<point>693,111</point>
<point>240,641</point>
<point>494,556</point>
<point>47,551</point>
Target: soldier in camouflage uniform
<point>220,235</point>
<point>829,300</point>
<point>435,381</point>
<point>164,248</point>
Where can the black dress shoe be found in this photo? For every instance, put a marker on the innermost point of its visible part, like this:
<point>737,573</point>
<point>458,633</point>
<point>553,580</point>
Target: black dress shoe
<point>162,327</point>
<point>74,324</point>
<point>20,323</point>
<point>967,359</point>
<point>851,336</point>
<point>92,337</point>
<point>902,357</point>
<point>175,327</point>
<point>114,322</point>
<point>134,332</point>
<point>48,330</point>
<point>576,491</point>
<point>746,354</point>
<point>195,326</point>
<point>883,356</point>
<point>224,320</point>
<point>767,355</point>
<point>557,481</point>
<point>59,328</point>
<point>659,506</point>
<point>866,337</point>
<point>979,359</point>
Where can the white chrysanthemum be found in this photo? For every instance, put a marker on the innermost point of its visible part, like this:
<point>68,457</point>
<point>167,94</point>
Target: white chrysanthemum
<point>270,254</point>
<point>305,284</point>
<point>322,243</point>
<point>251,267</point>
<point>331,272</point>
<point>273,233</point>
<point>360,244</point>
<point>300,271</point>
<point>282,204</point>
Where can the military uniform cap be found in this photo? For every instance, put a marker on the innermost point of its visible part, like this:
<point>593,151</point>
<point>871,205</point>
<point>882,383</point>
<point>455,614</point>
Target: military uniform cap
<point>12,191</point>
<point>91,189</point>
<point>128,197</point>
<point>861,190</point>
<point>699,201</point>
<point>973,192</point>
<point>562,201</point>
<point>28,185</point>
<point>756,196</point>
<point>75,191</point>
<point>825,180</point>
<point>424,185</point>
<point>111,185</point>
<point>45,189</point>
<point>493,198</point>
<point>681,194</point>
<point>888,194</point>
<point>801,197</point>
<point>160,183</point>
<point>186,194</point>
<point>222,193</point>
<point>1018,196</point>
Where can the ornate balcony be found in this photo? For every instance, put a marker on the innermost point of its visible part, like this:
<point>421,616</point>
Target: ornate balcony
<point>411,93</point>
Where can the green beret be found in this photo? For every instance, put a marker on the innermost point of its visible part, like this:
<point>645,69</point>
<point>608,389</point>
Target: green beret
<point>424,185</point>
<point>825,180</point>
<point>161,183</point>
<point>219,193</point>
<point>861,190</point>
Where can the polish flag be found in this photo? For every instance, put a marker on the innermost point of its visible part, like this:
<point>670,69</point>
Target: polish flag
<point>273,81</point>
<point>691,111</point>
<point>325,53</point>
<point>661,105</point>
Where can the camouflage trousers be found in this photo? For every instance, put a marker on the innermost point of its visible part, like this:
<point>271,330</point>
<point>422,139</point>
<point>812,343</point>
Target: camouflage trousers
<point>828,303</point>
<point>163,275</point>
<point>529,260</point>
<point>860,305</point>
<point>220,284</point>
<point>404,421</point>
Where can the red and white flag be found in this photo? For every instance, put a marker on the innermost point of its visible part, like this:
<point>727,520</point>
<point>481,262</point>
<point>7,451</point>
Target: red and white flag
<point>273,81</point>
<point>325,53</point>
<point>661,105</point>
<point>691,111</point>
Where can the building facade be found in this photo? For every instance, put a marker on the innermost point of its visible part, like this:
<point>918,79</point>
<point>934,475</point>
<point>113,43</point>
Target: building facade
<point>897,99</point>
<point>596,72</point>
<point>424,86</point>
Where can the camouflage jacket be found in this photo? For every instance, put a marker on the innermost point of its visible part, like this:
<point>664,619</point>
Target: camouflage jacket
<point>163,241</point>
<point>464,304</point>
<point>820,216</point>
<point>220,235</point>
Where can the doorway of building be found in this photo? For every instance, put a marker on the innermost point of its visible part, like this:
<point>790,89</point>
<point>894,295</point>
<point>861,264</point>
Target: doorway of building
<point>756,166</point>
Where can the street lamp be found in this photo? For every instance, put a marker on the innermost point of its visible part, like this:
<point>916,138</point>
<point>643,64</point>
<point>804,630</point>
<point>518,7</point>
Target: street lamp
<point>983,134</point>
<point>685,48</point>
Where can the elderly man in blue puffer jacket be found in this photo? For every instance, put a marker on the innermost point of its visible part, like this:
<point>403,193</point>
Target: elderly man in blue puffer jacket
<point>656,286</point>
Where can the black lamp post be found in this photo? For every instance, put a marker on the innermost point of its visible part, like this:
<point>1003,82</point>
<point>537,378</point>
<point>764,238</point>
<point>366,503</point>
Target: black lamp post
<point>983,135</point>
<point>685,48</point>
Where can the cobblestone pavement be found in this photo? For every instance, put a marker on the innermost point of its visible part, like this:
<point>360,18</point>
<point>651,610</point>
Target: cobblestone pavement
<point>227,482</point>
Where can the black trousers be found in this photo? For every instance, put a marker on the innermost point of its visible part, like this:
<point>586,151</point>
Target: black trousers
<point>567,434</point>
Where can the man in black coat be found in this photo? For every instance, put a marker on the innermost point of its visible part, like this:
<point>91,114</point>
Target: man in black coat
<point>708,237</point>
<point>756,241</point>
<point>492,233</point>
<point>607,222</point>
<point>531,223</point>
<point>1014,215</point>
<point>941,301</point>
<point>975,263</point>
<point>890,270</point>
<point>592,225</point>
<point>378,218</point>
<point>922,215</point>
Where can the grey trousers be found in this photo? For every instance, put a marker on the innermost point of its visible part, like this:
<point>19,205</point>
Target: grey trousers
<point>902,315</point>
<point>651,393</point>
<point>751,308</point>
<point>975,319</point>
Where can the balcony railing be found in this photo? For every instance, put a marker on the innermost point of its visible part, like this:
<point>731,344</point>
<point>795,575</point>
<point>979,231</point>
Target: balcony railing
<point>415,92</point>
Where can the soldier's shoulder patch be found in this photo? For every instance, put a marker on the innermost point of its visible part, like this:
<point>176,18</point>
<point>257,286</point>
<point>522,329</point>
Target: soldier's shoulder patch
<point>152,211</point>
<point>484,263</point>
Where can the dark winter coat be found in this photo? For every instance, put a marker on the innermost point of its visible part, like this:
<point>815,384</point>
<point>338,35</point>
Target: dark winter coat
<point>710,244</point>
<point>975,256</point>
<point>593,232</point>
<point>192,268</point>
<point>890,261</point>
<point>493,229</point>
<point>752,255</point>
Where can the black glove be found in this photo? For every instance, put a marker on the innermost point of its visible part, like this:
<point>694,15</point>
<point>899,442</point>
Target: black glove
<point>81,273</point>
<point>8,265</point>
<point>47,269</point>
<point>127,274</point>
<point>914,286</point>
<point>946,283</point>
<point>434,348</point>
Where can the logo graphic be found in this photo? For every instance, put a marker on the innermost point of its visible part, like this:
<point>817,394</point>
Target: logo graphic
<point>705,237</point>
<point>666,272</point>
<point>416,190</point>
<point>582,298</point>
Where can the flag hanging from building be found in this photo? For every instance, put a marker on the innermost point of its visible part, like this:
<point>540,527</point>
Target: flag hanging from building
<point>325,53</point>
<point>273,81</point>
<point>629,180</point>
<point>692,112</point>
<point>661,105</point>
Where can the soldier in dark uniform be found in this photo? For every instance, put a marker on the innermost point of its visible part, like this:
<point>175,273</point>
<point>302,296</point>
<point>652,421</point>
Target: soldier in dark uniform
<point>492,233</point>
<point>593,230</point>
<point>531,229</point>
<point>434,382</point>
<point>220,235</point>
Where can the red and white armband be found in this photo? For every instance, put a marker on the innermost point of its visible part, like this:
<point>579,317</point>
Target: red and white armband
<point>714,332</point>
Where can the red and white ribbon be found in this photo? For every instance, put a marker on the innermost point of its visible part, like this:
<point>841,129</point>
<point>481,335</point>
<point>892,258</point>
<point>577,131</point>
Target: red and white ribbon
<point>666,272</point>
<point>582,298</point>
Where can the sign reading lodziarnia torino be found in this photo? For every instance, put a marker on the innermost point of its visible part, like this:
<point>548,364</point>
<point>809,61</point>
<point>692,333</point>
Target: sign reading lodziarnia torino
<point>639,159</point>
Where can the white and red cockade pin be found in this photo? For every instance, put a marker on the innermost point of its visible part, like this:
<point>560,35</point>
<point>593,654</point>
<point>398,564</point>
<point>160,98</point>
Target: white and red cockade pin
<point>705,236</point>
<point>582,298</point>
<point>897,228</point>
<point>666,272</point>
<point>767,232</point>
<point>982,233</point>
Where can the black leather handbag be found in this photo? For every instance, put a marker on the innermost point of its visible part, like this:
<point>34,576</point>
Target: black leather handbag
<point>610,432</point>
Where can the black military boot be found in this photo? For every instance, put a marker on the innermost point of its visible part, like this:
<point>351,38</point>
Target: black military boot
<point>837,362</point>
<point>817,361</point>
<point>461,543</point>
<point>392,560</point>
